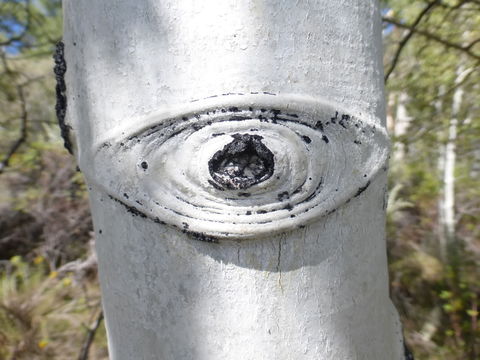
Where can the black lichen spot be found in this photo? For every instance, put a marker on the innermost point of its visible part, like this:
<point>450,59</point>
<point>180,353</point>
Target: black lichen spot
<point>60,69</point>
<point>244,194</point>
<point>158,221</point>
<point>239,118</point>
<point>242,163</point>
<point>125,195</point>
<point>345,118</point>
<point>297,190</point>
<point>261,211</point>
<point>362,189</point>
<point>144,165</point>
<point>319,126</point>
<point>306,139</point>
<point>283,196</point>
<point>333,119</point>
<point>288,207</point>
<point>248,212</point>
<point>358,142</point>
<point>218,134</point>
<point>100,231</point>
<point>185,225</point>
<point>201,237</point>
<point>324,138</point>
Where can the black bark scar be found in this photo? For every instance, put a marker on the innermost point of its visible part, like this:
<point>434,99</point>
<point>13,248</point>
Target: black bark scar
<point>60,69</point>
<point>362,189</point>
<point>135,212</point>
<point>242,163</point>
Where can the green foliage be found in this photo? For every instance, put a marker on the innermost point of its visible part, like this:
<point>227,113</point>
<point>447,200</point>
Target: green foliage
<point>42,314</point>
<point>437,294</point>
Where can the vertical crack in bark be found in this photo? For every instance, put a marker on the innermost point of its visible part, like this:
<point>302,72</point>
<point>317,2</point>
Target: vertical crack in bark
<point>279,269</point>
<point>238,253</point>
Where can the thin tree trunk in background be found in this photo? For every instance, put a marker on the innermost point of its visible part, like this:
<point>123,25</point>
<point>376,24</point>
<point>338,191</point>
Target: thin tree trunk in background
<point>391,112</point>
<point>235,153</point>
<point>448,199</point>
<point>442,235</point>
<point>402,122</point>
<point>449,174</point>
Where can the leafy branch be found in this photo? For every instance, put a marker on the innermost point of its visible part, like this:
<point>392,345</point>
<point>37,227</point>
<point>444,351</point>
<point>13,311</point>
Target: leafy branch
<point>414,28</point>
<point>90,336</point>
<point>25,30</point>
<point>23,130</point>
<point>404,41</point>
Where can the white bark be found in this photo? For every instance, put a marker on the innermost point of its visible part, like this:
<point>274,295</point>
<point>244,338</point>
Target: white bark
<point>447,208</point>
<point>402,122</point>
<point>449,176</point>
<point>441,201</point>
<point>156,90</point>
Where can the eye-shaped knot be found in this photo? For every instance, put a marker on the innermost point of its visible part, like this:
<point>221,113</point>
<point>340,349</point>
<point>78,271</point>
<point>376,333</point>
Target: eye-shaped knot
<point>242,166</point>
<point>244,162</point>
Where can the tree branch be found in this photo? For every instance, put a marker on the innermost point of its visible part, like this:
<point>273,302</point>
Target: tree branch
<point>90,336</point>
<point>23,130</point>
<point>404,41</point>
<point>26,29</point>
<point>465,49</point>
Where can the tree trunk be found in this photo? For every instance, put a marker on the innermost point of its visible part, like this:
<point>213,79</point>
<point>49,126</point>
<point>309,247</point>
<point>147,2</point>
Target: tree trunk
<point>402,122</point>
<point>235,154</point>
<point>447,201</point>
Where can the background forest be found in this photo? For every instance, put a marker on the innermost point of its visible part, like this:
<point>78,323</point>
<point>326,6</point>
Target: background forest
<point>49,296</point>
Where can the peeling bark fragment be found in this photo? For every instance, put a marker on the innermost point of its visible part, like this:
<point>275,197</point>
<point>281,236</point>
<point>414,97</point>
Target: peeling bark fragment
<point>60,69</point>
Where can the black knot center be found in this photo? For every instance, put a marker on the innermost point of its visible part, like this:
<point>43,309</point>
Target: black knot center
<point>244,162</point>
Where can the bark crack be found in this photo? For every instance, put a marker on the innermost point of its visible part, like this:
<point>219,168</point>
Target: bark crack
<point>279,258</point>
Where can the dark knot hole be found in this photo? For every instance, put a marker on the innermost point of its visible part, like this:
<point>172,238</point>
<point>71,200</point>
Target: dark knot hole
<point>242,163</point>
